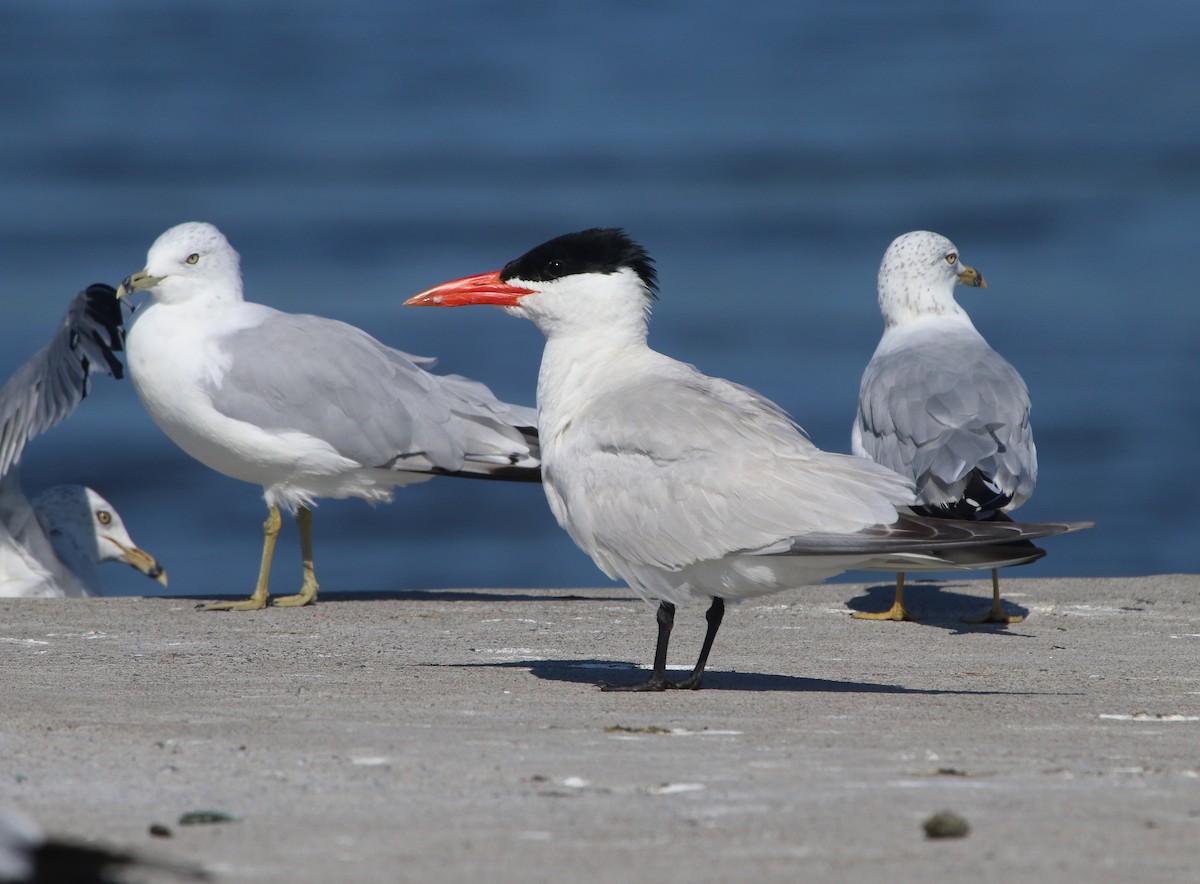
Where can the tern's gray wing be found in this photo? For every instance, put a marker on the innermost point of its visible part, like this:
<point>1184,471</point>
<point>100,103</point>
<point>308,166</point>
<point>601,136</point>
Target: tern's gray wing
<point>912,532</point>
<point>919,543</point>
<point>937,411</point>
<point>50,385</point>
<point>680,468</point>
<point>336,383</point>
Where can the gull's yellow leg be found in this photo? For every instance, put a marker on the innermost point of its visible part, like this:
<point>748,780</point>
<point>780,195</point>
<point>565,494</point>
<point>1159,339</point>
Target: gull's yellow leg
<point>308,589</point>
<point>258,601</point>
<point>896,612</point>
<point>996,613</point>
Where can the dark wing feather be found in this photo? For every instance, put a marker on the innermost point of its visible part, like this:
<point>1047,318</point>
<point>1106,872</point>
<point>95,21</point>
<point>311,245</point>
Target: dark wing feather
<point>912,533</point>
<point>47,388</point>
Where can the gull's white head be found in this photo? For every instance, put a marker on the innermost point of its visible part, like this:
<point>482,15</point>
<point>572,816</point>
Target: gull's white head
<point>594,281</point>
<point>917,278</point>
<point>86,530</point>
<point>191,260</point>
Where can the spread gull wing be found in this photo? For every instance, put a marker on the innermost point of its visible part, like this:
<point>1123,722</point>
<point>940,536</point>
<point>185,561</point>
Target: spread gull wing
<point>48,387</point>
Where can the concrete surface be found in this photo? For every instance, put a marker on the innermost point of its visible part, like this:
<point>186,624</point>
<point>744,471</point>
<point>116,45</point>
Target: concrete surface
<point>457,736</point>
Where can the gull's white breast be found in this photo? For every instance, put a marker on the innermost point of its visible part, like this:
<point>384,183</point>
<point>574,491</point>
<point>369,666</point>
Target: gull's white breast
<point>177,367</point>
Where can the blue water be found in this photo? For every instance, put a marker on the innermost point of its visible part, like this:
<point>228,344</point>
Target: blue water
<point>358,152</point>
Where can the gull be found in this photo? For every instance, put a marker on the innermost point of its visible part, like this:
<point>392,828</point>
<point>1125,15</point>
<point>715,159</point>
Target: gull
<point>940,406</point>
<point>685,485</point>
<point>50,547</point>
<point>305,406</point>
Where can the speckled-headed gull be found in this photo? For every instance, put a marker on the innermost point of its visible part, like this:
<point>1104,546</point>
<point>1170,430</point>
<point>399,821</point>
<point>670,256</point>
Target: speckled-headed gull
<point>940,406</point>
<point>686,485</point>
<point>305,406</point>
<point>50,547</point>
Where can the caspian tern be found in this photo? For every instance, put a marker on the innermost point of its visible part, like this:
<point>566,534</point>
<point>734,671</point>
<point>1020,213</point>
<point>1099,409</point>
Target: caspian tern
<point>305,406</point>
<point>686,485</point>
<point>50,547</point>
<point>940,406</point>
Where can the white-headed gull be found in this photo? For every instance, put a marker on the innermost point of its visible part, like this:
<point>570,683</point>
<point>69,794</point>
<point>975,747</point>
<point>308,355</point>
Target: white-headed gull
<point>304,406</point>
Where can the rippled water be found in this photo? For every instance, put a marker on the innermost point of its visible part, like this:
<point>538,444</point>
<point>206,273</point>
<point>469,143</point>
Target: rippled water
<point>358,152</point>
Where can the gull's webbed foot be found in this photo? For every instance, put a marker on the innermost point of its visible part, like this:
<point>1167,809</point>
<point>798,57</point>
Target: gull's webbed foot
<point>896,612</point>
<point>995,614</point>
<point>307,595</point>
<point>308,590</point>
<point>254,603</point>
<point>258,600</point>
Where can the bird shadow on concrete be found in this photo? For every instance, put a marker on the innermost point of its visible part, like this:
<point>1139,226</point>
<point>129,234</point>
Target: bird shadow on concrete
<point>595,672</point>
<point>468,595</point>
<point>423,595</point>
<point>940,605</point>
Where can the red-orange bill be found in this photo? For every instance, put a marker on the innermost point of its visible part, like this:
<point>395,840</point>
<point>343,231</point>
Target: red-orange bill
<point>483,288</point>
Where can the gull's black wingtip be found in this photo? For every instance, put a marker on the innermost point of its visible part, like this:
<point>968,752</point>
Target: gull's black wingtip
<point>104,309</point>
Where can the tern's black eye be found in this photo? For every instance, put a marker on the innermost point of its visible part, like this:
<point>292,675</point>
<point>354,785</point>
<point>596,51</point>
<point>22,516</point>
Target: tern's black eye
<point>104,517</point>
<point>554,268</point>
<point>952,258</point>
<point>193,258</point>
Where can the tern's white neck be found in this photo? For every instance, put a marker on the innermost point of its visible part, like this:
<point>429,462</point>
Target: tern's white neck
<point>608,308</point>
<point>595,327</point>
<point>571,376</point>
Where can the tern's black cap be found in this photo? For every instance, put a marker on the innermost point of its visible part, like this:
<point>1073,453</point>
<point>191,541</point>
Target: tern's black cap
<point>597,250</point>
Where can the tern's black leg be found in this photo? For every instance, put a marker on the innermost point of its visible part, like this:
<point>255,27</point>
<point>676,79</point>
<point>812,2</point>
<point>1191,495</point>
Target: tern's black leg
<point>716,612</point>
<point>658,678</point>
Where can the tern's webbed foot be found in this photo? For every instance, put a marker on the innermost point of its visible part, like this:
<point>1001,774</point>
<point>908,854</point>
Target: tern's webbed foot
<point>656,682</point>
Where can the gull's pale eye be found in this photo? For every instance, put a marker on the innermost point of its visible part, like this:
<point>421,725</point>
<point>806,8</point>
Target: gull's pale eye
<point>951,259</point>
<point>104,517</point>
<point>193,258</point>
